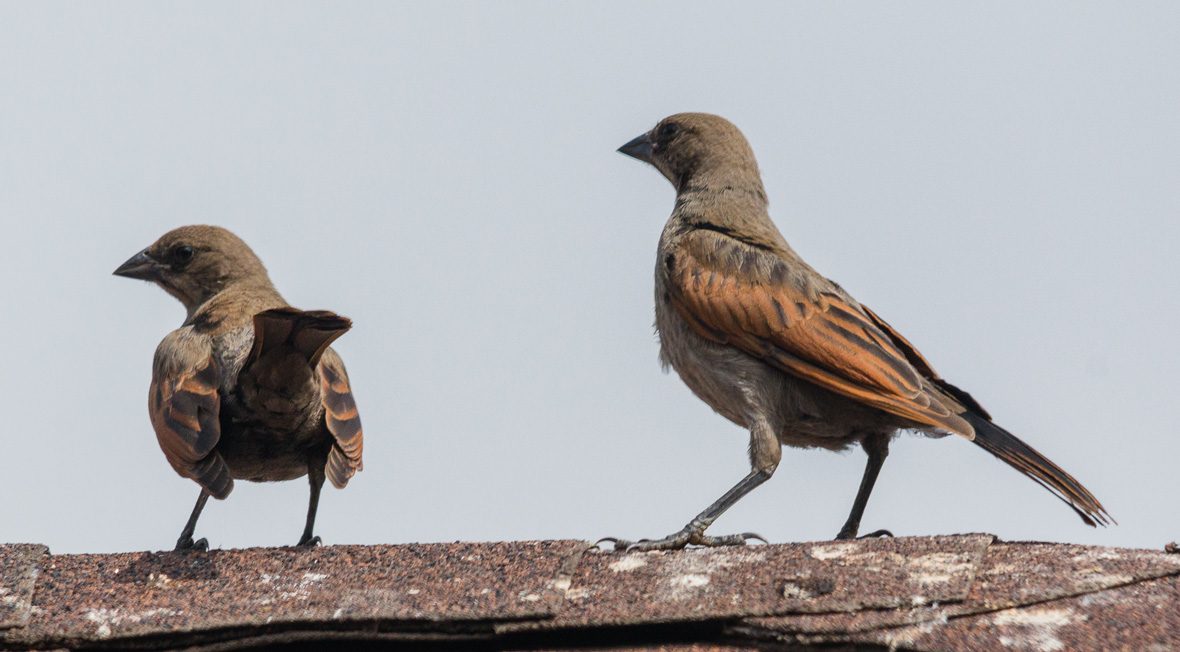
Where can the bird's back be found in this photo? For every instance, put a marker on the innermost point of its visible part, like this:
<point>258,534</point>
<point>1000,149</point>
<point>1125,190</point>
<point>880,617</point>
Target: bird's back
<point>272,414</point>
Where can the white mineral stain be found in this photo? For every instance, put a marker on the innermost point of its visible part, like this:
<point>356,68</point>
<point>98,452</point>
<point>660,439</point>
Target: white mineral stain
<point>1093,579</point>
<point>108,618</point>
<point>691,581</point>
<point>1098,554</point>
<point>832,550</point>
<point>160,581</point>
<point>288,588</point>
<point>689,573</point>
<point>628,563</point>
<point>940,567</point>
<point>907,636</point>
<point>1036,628</point>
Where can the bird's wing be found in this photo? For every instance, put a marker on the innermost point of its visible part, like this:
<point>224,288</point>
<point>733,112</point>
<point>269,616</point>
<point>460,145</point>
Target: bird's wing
<point>924,368</point>
<point>342,419</point>
<point>185,408</point>
<point>737,294</point>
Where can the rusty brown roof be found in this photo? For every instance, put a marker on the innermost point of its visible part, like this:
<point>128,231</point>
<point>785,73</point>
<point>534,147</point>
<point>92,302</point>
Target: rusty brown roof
<point>963,592</point>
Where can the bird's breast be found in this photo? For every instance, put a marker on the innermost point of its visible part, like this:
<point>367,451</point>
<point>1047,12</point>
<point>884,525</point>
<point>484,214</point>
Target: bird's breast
<point>724,378</point>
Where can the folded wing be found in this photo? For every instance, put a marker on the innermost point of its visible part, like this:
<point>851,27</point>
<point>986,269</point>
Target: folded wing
<point>734,293</point>
<point>185,409</point>
<point>342,420</point>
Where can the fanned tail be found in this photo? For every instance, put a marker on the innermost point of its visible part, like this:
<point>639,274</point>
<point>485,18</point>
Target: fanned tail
<point>307,331</point>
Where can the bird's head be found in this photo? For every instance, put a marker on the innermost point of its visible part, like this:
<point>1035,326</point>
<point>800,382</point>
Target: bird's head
<point>194,263</point>
<point>694,146</point>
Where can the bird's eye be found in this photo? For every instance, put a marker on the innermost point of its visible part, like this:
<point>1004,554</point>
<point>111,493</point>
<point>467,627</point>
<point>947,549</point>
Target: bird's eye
<point>181,254</point>
<point>669,130</point>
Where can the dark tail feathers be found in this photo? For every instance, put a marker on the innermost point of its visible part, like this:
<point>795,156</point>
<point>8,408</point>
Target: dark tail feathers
<point>308,331</point>
<point>1024,458</point>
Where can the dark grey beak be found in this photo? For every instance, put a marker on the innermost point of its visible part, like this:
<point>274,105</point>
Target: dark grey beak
<point>140,266</point>
<point>639,147</point>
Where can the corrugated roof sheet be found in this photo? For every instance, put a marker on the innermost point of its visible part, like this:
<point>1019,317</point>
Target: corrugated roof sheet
<point>920,593</point>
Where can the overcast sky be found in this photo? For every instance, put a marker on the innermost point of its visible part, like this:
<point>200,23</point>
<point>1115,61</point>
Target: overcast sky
<point>1000,181</point>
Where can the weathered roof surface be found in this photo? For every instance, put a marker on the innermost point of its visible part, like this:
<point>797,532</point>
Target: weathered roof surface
<point>19,565</point>
<point>916,593</point>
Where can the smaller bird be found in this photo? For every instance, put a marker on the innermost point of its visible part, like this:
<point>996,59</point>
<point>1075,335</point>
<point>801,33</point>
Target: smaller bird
<point>780,350</point>
<point>247,388</point>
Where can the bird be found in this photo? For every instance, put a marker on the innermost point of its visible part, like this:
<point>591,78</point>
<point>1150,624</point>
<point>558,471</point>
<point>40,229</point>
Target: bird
<point>783,352</point>
<point>247,388</point>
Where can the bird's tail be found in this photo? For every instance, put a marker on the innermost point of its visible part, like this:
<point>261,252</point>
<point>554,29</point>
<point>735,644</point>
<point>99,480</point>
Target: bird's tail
<point>308,331</point>
<point>1027,460</point>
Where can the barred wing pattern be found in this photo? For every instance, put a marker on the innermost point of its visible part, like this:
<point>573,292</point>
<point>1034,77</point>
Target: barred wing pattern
<point>342,420</point>
<point>819,336</point>
<point>185,409</point>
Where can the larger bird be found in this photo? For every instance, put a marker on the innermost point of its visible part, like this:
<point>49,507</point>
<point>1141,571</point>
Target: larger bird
<point>247,388</point>
<point>778,349</point>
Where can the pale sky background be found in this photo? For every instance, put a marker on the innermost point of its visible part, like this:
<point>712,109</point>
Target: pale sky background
<point>1000,181</point>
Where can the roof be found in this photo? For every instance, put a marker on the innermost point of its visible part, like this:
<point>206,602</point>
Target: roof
<point>915,593</point>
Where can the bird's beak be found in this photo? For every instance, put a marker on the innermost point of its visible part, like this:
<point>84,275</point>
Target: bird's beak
<point>638,147</point>
<point>140,266</point>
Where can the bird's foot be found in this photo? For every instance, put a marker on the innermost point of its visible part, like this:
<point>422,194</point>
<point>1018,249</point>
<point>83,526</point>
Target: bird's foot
<point>847,534</point>
<point>309,542</point>
<point>184,544</point>
<point>688,536</point>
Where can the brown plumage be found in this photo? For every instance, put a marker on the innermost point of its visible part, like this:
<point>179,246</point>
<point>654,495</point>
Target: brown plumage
<point>247,388</point>
<point>777,348</point>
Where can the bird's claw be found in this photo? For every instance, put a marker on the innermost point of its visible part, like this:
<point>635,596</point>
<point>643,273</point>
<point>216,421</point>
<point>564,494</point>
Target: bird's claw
<point>617,544</point>
<point>309,542</point>
<point>184,544</point>
<point>847,535</point>
<point>876,534</point>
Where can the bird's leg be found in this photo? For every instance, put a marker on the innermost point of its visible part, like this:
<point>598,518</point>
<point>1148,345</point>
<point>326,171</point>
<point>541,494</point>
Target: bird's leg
<point>315,477</point>
<point>765,453</point>
<point>185,542</point>
<point>877,448</point>
<point>694,532</point>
